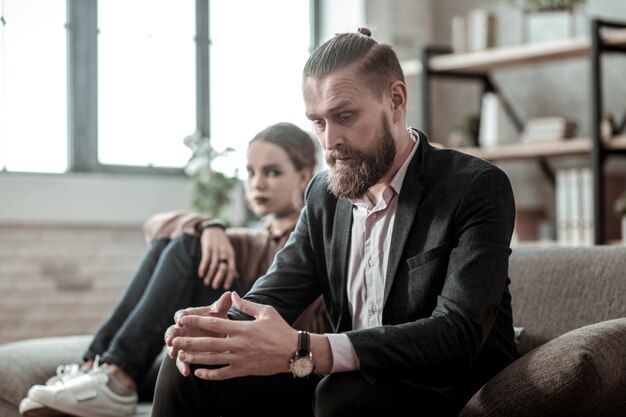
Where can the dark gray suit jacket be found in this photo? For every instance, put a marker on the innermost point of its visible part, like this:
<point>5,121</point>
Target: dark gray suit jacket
<point>447,314</point>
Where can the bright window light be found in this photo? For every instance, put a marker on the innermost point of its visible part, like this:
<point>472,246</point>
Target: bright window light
<point>146,81</point>
<point>33,86</point>
<point>257,56</point>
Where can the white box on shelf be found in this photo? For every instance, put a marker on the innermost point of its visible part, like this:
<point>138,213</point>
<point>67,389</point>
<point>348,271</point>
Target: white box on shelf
<point>480,30</point>
<point>492,131</point>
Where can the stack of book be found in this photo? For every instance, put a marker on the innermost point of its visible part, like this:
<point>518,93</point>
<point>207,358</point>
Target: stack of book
<point>574,207</point>
<point>548,129</point>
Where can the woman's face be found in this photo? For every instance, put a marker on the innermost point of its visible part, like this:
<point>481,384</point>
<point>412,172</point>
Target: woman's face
<point>273,185</point>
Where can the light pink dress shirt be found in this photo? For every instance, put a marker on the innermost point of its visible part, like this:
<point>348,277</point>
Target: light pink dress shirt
<point>371,241</point>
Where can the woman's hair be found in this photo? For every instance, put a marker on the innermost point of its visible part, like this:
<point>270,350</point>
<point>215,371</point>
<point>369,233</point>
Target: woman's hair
<point>377,63</point>
<point>296,142</point>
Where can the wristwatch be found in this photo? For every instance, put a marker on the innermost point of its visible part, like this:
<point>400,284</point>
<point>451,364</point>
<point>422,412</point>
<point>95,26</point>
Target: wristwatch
<point>302,364</point>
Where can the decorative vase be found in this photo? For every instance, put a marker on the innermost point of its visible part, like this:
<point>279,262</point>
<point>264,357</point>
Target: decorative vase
<point>548,26</point>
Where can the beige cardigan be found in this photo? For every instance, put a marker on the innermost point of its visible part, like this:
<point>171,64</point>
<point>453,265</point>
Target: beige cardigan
<point>254,253</point>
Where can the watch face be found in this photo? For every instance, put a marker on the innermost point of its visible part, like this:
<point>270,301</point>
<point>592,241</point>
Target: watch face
<point>302,366</point>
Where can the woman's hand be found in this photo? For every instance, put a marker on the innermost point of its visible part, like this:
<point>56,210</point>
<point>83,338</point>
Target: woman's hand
<point>217,265</point>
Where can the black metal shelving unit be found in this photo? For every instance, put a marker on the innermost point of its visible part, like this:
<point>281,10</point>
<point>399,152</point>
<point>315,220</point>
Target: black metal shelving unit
<point>478,67</point>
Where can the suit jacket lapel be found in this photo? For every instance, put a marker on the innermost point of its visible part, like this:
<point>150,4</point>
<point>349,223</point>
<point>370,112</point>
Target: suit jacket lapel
<point>408,203</point>
<point>339,255</point>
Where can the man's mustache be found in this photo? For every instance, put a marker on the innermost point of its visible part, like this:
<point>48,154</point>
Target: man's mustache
<point>341,153</point>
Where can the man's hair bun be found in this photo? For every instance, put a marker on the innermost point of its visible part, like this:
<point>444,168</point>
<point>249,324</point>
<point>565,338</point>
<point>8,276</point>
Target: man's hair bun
<point>364,31</point>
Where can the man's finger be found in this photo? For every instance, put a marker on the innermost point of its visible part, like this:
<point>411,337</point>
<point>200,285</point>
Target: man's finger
<point>212,324</point>
<point>193,311</point>
<point>183,368</point>
<point>205,358</point>
<point>247,307</point>
<point>220,306</point>
<point>203,344</point>
<point>223,304</point>
<point>216,374</point>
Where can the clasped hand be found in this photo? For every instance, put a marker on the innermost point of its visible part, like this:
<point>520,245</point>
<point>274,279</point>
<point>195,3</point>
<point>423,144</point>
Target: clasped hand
<point>230,348</point>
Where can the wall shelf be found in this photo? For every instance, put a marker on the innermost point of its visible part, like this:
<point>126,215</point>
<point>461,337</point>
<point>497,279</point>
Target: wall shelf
<point>605,37</point>
<point>565,147</point>
<point>482,62</point>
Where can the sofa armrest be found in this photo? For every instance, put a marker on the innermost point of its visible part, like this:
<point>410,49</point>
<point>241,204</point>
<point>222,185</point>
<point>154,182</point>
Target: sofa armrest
<point>579,373</point>
<point>28,362</point>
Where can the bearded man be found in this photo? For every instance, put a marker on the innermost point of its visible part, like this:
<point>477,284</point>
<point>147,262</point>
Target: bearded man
<point>408,244</point>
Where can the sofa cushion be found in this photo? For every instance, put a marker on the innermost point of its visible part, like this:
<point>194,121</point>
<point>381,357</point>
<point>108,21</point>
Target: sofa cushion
<point>557,289</point>
<point>29,362</point>
<point>580,373</point>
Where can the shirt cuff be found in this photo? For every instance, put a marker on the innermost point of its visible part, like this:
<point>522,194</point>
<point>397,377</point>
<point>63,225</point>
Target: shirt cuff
<point>344,355</point>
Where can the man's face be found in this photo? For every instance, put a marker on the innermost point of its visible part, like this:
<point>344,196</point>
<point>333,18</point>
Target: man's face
<point>352,127</point>
<point>366,166</point>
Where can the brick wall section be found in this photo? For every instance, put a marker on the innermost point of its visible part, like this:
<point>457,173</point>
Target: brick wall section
<point>63,280</point>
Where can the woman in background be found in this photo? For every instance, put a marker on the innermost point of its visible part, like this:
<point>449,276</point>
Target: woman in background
<point>190,262</point>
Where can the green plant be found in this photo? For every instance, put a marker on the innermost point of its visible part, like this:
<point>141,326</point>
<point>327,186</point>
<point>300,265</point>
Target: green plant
<point>471,126</point>
<point>210,189</point>
<point>531,6</point>
<point>620,205</point>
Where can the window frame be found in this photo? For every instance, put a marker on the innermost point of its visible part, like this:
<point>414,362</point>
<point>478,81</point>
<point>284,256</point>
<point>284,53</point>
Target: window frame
<point>82,73</point>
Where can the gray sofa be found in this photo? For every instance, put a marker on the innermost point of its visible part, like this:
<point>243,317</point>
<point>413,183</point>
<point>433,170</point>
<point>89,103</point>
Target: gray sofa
<point>570,303</point>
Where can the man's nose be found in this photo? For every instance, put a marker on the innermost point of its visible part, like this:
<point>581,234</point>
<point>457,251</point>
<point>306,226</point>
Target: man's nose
<point>333,137</point>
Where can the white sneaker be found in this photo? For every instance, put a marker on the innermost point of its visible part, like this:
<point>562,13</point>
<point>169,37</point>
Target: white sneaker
<point>87,395</point>
<point>31,408</point>
<point>65,372</point>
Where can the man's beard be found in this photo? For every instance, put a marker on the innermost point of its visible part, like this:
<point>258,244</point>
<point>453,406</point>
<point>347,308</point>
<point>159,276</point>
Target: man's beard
<point>365,169</point>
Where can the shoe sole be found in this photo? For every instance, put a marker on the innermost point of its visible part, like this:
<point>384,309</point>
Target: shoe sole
<point>72,410</point>
<point>43,412</point>
<point>31,408</point>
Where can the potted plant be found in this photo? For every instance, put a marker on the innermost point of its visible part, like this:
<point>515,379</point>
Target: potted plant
<point>211,190</point>
<point>535,6</point>
<point>547,20</point>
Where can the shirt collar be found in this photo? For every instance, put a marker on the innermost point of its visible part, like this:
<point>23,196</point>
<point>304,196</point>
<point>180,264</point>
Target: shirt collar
<point>398,179</point>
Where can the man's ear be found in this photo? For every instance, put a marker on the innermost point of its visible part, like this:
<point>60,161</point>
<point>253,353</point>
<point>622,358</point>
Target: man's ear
<point>398,93</point>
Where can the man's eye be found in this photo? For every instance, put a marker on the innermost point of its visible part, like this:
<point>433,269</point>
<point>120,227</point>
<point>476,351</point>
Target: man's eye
<point>343,118</point>
<point>319,124</point>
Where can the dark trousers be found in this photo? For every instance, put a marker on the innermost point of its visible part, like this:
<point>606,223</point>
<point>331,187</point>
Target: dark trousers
<point>337,395</point>
<point>165,281</point>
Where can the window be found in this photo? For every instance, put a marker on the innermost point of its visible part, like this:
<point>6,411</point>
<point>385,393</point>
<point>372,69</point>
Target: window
<point>33,86</point>
<point>146,81</point>
<point>257,57</point>
<point>120,88</point>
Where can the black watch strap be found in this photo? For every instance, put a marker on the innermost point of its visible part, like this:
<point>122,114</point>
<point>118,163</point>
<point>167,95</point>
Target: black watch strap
<point>304,343</point>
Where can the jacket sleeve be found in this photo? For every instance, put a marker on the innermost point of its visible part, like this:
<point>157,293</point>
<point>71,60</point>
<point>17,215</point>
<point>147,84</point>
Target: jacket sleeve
<point>292,282</point>
<point>170,224</point>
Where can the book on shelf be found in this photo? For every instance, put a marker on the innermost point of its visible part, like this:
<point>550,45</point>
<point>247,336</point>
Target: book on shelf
<point>574,207</point>
<point>548,129</point>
